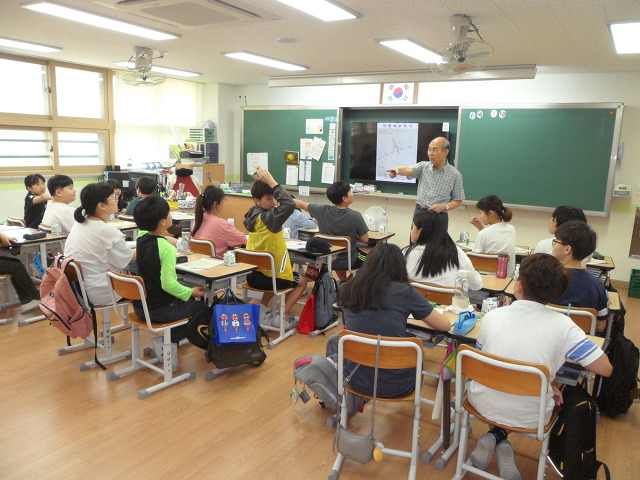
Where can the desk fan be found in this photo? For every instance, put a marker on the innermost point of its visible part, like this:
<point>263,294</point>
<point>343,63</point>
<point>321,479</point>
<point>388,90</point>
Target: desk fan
<point>373,217</point>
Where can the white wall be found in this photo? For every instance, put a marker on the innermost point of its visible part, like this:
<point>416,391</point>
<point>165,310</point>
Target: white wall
<point>614,232</point>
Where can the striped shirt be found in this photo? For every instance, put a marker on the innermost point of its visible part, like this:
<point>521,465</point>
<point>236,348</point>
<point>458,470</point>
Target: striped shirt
<point>437,186</point>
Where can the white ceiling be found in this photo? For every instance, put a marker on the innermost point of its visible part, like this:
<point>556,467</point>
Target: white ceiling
<point>555,35</point>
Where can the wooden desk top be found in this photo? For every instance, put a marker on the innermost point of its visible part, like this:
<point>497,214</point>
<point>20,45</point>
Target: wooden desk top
<point>376,237</point>
<point>494,284</point>
<point>18,234</point>
<point>607,265</point>
<point>334,249</point>
<point>218,272</point>
<point>121,224</point>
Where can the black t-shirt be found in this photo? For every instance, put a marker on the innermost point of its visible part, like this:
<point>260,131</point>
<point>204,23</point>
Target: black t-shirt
<point>33,212</point>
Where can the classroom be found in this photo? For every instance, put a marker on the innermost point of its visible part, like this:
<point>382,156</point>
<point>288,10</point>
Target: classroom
<point>195,429</point>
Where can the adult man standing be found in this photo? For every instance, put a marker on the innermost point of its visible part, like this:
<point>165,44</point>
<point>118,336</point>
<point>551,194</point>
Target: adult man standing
<point>439,184</point>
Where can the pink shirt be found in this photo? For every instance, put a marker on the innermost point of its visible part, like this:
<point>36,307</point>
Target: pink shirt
<point>221,232</point>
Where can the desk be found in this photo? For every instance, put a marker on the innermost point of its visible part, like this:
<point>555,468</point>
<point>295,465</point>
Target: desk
<point>218,273</point>
<point>123,225</point>
<point>302,256</point>
<point>495,285</point>
<point>601,268</point>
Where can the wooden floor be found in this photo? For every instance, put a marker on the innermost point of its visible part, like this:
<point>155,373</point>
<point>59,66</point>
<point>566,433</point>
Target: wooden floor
<point>59,423</point>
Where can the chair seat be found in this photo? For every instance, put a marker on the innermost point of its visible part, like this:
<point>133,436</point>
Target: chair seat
<point>249,287</point>
<point>121,302</point>
<point>407,398</point>
<point>528,431</point>
<point>133,318</point>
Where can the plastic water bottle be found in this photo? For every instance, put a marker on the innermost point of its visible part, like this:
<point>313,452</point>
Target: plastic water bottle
<point>186,240</point>
<point>382,229</point>
<point>56,229</point>
<point>461,291</point>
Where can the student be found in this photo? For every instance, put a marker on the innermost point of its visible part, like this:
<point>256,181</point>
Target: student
<point>95,244</point>
<point>58,211</point>
<point>117,191</point>
<point>27,292</point>
<point>575,240</point>
<point>559,216</point>
<point>339,219</point>
<point>378,301</point>
<point>273,205</point>
<point>35,202</point>
<point>210,224</point>
<point>528,331</point>
<point>495,235</point>
<point>297,221</point>
<point>145,186</point>
<point>167,300</point>
<point>433,257</point>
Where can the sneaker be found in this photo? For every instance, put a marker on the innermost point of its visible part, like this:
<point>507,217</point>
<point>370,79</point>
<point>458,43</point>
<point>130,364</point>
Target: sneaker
<point>30,307</point>
<point>156,343</point>
<point>291,322</point>
<point>483,452</point>
<point>506,463</point>
<point>266,320</point>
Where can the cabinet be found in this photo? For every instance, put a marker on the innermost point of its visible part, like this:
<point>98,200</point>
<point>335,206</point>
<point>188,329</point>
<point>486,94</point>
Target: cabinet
<point>206,173</point>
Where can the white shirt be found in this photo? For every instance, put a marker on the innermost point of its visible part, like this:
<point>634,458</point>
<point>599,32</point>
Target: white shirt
<point>530,332</point>
<point>58,213</point>
<point>448,277</point>
<point>498,238</point>
<point>98,247</point>
<point>545,246</point>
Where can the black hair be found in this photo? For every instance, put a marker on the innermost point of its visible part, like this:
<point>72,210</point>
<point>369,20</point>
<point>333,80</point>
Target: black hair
<point>31,180</point>
<point>204,202</point>
<point>58,181</point>
<point>114,183</point>
<point>440,251</point>
<point>90,196</point>
<point>543,278</point>
<point>149,211</point>
<point>383,265</point>
<point>337,191</point>
<point>146,185</point>
<point>579,236</point>
<point>565,213</point>
<point>259,189</point>
<point>492,202</point>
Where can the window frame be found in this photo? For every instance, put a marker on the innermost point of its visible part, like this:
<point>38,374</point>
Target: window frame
<point>53,123</point>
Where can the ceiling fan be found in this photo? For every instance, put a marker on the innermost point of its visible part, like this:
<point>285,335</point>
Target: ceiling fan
<point>141,74</point>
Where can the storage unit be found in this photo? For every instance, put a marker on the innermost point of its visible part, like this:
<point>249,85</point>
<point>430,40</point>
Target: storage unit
<point>206,173</point>
<point>634,283</point>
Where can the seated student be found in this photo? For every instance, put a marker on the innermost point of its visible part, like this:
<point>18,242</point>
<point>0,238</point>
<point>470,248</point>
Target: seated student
<point>117,191</point>
<point>273,205</point>
<point>145,186</point>
<point>433,257</point>
<point>339,219</point>
<point>35,202</point>
<point>167,299</point>
<point>378,301</point>
<point>297,221</point>
<point>210,224</point>
<point>575,240</point>
<point>559,216</point>
<point>495,235</point>
<point>58,211</point>
<point>27,292</point>
<point>528,331</point>
<point>95,244</point>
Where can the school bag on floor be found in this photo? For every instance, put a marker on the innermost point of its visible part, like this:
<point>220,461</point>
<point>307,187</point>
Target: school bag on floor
<point>572,445</point>
<point>326,292</point>
<point>320,375</point>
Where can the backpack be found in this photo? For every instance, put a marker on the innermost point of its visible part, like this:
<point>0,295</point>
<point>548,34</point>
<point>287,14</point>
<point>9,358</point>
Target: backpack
<point>572,443</point>
<point>325,290</point>
<point>613,393</point>
<point>320,375</point>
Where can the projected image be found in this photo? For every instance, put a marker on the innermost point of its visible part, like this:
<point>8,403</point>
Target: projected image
<point>397,145</point>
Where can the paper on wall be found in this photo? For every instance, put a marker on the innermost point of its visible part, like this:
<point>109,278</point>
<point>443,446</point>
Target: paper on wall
<point>305,171</point>
<point>255,160</point>
<point>314,126</point>
<point>328,172</point>
<point>305,148</point>
<point>292,175</point>
<point>303,191</point>
<point>317,146</point>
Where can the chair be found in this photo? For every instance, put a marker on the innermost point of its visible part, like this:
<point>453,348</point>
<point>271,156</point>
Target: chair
<point>394,353</point>
<point>16,222</point>
<point>204,246</point>
<point>508,376</point>
<point>484,262</point>
<point>265,261</point>
<point>585,318</point>
<point>435,293</point>
<point>47,229</point>
<point>132,287</point>
<point>338,241</point>
<point>74,274</point>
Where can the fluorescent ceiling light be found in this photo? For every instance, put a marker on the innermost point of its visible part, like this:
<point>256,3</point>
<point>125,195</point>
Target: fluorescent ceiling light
<point>98,21</point>
<point>321,9</point>
<point>412,49</point>
<point>626,37</point>
<point>154,68</point>
<point>269,62</point>
<point>8,42</point>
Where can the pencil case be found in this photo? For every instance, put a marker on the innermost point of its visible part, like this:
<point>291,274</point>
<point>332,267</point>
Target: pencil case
<point>34,236</point>
<point>465,323</point>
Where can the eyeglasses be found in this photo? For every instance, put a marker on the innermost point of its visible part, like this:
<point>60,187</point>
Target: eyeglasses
<point>555,240</point>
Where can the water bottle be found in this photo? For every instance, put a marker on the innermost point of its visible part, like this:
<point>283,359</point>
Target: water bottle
<point>382,229</point>
<point>517,272</point>
<point>56,229</point>
<point>186,240</point>
<point>461,291</point>
<point>503,261</point>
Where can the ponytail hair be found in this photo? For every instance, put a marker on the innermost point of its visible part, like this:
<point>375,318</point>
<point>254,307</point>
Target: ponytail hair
<point>90,196</point>
<point>492,202</point>
<point>204,203</point>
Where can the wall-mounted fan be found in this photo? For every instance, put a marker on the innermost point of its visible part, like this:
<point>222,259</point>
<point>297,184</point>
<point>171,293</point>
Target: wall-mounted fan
<point>141,73</point>
<point>463,54</point>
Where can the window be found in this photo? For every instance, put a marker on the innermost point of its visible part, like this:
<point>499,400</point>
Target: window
<point>78,148</point>
<point>24,88</point>
<point>29,148</point>
<point>79,93</point>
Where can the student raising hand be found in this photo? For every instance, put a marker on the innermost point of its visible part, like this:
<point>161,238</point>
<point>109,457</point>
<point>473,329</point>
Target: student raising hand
<point>265,176</point>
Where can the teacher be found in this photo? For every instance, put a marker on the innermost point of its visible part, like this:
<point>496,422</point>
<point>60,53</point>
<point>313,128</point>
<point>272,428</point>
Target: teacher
<point>439,184</point>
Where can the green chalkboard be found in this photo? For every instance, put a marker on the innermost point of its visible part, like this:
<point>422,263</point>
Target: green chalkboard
<point>274,130</point>
<point>446,115</point>
<point>540,156</point>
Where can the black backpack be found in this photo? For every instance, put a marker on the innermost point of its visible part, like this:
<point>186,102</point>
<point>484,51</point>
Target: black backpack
<point>572,446</point>
<point>613,394</point>
<point>326,291</point>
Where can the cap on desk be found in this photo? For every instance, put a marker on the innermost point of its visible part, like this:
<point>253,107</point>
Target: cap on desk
<point>318,245</point>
